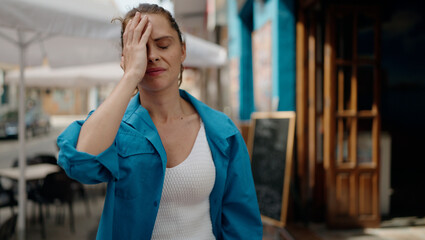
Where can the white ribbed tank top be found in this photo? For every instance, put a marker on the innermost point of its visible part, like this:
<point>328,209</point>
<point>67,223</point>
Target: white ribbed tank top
<point>184,211</point>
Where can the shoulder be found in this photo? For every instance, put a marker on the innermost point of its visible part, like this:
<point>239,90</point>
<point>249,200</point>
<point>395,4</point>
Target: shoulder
<point>216,122</point>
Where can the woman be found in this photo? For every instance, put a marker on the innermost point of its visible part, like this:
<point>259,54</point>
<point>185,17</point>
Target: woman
<point>175,168</point>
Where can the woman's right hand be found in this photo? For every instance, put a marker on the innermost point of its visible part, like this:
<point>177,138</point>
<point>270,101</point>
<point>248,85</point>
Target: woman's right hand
<point>135,38</point>
<point>99,131</point>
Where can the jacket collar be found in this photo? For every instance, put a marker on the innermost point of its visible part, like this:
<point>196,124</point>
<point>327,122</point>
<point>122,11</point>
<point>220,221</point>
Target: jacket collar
<point>138,118</point>
<point>218,126</point>
<point>135,112</point>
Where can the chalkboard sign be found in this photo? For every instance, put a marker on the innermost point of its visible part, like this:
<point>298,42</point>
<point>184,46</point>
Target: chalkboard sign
<point>270,142</point>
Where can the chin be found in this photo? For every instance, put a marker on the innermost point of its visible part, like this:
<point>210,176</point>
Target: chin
<point>158,87</point>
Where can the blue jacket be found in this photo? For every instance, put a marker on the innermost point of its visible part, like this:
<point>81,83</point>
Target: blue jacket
<point>134,167</point>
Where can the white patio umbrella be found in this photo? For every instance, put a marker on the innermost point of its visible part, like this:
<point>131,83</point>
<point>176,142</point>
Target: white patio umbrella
<point>69,33</point>
<point>76,76</point>
<point>200,53</point>
<point>66,33</point>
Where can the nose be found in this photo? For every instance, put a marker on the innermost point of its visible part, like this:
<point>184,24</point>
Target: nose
<point>152,55</point>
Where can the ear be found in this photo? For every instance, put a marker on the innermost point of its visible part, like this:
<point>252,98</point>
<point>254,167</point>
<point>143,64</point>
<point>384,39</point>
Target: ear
<point>183,57</point>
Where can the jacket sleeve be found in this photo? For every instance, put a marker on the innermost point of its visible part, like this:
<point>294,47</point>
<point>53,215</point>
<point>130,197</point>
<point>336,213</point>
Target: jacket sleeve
<point>84,167</point>
<point>241,217</point>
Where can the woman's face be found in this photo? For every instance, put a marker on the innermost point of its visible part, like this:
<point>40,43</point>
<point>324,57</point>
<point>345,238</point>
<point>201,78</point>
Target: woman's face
<point>165,55</point>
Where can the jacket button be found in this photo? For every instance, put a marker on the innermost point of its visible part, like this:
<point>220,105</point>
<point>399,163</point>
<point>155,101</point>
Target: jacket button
<point>155,203</point>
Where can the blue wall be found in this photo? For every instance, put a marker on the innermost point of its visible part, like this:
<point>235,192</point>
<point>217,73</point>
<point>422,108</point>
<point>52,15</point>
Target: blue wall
<point>234,32</point>
<point>240,47</point>
<point>282,16</point>
<point>286,38</point>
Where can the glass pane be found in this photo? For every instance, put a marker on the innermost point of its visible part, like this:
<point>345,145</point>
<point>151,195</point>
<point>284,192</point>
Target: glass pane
<point>344,126</point>
<point>319,139</point>
<point>319,89</point>
<point>344,37</point>
<point>364,141</point>
<point>319,43</point>
<point>365,81</point>
<point>365,36</point>
<point>343,82</point>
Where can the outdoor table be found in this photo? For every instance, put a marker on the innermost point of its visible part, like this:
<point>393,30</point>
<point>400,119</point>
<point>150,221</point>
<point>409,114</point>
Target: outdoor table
<point>32,172</point>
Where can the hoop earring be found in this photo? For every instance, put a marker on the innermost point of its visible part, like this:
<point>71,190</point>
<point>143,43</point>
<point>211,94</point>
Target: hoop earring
<point>181,75</point>
<point>136,90</point>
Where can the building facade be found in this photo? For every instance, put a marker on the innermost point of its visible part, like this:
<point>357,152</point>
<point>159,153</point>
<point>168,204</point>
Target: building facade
<point>352,73</point>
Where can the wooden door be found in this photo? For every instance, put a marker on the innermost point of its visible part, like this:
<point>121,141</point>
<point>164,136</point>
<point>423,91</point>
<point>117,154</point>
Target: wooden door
<point>352,116</point>
<point>310,109</point>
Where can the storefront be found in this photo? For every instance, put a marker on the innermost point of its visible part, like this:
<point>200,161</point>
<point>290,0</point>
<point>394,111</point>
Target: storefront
<point>340,65</point>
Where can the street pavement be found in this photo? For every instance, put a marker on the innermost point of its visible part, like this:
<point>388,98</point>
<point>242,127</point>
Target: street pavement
<point>407,228</point>
<point>86,222</point>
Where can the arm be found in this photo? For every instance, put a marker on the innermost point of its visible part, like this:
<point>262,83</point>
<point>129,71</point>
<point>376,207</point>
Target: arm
<point>240,215</point>
<point>99,131</point>
<point>84,167</point>
<point>87,150</point>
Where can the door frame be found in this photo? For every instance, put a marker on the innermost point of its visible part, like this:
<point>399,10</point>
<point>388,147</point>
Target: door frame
<point>352,188</point>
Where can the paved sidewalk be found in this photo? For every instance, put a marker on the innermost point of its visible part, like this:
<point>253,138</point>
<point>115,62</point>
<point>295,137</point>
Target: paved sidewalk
<point>390,232</point>
<point>407,228</point>
<point>85,225</point>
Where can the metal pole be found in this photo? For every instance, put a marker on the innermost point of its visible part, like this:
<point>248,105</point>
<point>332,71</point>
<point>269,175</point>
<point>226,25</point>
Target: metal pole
<point>22,193</point>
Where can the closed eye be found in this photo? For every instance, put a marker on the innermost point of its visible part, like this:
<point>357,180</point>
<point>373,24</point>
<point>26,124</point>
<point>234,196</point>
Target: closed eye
<point>164,42</point>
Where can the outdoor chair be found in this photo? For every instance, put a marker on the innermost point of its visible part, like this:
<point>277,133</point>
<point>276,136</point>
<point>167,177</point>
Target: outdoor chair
<point>7,229</point>
<point>31,186</point>
<point>7,198</point>
<point>56,189</point>
<point>75,185</point>
<point>45,158</point>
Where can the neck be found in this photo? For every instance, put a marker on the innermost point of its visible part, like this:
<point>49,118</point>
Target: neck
<point>163,106</point>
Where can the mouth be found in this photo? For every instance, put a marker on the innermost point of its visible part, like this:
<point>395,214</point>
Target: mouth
<point>155,71</point>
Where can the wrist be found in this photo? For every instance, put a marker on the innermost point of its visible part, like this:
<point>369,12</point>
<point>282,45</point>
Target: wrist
<point>131,77</point>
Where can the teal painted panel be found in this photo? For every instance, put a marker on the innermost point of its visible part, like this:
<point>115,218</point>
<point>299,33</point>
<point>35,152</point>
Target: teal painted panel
<point>239,46</point>
<point>264,12</point>
<point>282,16</point>
<point>234,30</point>
<point>286,35</point>
<point>246,76</point>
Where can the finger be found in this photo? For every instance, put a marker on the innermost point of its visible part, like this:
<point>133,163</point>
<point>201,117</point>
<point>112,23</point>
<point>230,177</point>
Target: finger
<point>125,34</point>
<point>145,37</point>
<point>128,32</point>
<point>130,28</point>
<point>139,29</point>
